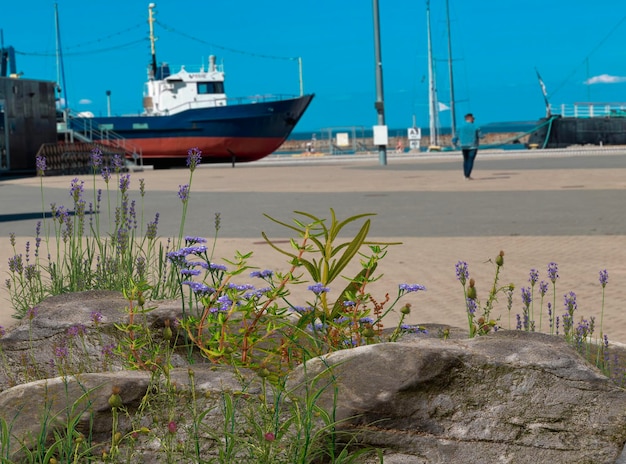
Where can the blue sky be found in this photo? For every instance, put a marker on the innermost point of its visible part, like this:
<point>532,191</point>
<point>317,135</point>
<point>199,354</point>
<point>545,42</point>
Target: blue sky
<point>497,44</point>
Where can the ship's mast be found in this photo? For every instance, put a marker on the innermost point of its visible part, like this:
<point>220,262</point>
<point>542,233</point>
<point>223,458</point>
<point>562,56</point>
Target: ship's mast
<point>452,104</point>
<point>433,110</point>
<point>153,65</point>
<point>61,90</point>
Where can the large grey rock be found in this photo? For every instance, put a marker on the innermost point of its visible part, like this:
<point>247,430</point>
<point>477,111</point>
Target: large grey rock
<point>30,349</point>
<point>510,397</point>
<point>46,406</point>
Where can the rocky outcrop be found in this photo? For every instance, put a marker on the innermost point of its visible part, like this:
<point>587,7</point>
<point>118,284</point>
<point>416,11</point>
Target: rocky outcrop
<point>510,397</point>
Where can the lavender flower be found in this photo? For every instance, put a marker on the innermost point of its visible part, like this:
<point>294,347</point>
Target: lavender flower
<point>105,172</point>
<point>604,278</point>
<point>408,288</point>
<point>462,272</point>
<point>217,267</point>
<point>570,302</point>
<point>32,313</point>
<point>140,264</point>
<point>96,317</point>
<point>61,352</point>
<point>225,302</point>
<point>471,305</point>
<point>142,187</point>
<point>262,274</point>
<point>40,163</point>
<point>16,264</point>
<point>302,309</point>
<point>543,287</point>
<point>190,272</point>
<point>117,162</point>
<point>526,296</point>
<point>534,277</point>
<point>240,287</point>
<point>76,330</point>
<point>151,229</point>
<point>2,331</point>
<point>318,289</point>
<point>193,240</point>
<point>553,271</point>
<point>413,328</point>
<point>183,192</point>
<point>194,157</point>
<point>124,183</point>
<point>76,189</point>
<point>96,157</point>
<point>108,350</point>
<point>199,288</point>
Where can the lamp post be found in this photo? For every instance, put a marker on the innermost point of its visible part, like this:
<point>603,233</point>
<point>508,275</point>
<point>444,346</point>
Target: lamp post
<point>380,100</point>
<point>108,103</point>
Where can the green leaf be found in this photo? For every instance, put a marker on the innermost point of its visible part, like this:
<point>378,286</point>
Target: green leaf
<point>350,252</point>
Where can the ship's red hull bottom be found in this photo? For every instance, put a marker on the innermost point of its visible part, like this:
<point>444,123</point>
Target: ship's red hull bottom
<point>214,149</point>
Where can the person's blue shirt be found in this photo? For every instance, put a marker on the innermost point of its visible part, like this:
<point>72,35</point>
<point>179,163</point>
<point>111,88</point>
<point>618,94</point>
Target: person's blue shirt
<point>467,136</point>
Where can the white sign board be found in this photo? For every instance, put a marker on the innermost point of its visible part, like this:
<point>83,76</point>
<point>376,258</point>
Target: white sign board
<point>414,144</point>
<point>414,133</point>
<point>380,135</point>
<point>343,140</point>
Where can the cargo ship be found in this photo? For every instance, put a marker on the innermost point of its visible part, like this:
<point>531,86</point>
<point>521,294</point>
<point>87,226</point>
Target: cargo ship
<point>184,110</point>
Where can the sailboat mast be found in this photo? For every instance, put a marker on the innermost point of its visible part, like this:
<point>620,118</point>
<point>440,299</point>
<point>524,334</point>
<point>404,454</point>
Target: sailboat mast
<point>432,93</point>
<point>452,104</point>
<point>59,52</point>
<point>153,65</point>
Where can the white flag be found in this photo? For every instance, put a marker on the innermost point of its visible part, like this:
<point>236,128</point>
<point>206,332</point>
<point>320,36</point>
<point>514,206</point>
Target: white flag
<point>443,106</point>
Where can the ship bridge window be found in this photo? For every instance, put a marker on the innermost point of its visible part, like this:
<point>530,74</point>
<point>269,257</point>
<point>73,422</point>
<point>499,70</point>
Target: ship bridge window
<point>105,127</point>
<point>206,88</point>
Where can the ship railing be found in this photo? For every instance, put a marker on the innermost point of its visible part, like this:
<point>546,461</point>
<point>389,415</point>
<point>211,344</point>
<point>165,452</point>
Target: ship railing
<point>86,130</point>
<point>231,101</point>
<point>589,110</point>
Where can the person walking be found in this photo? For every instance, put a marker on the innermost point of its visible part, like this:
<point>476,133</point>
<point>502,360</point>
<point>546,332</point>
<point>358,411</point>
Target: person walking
<point>468,138</point>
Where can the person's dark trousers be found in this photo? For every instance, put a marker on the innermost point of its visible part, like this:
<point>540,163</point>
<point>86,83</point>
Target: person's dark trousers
<point>469,154</point>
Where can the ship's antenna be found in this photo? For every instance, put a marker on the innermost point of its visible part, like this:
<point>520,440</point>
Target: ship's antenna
<point>151,8</point>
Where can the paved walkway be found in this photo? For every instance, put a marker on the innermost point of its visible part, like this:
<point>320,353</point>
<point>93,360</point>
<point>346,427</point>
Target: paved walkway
<point>537,207</point>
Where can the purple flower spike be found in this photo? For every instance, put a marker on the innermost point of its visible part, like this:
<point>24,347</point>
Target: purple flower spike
<point>96,157</point>
<point>408,288</point>
<point>553,271</point>
<point>604,278</point>
<point>183,192</point>
<point>462,272</point>
<point>194,157</point>
<point>40,162</point>
<point>318,289</point>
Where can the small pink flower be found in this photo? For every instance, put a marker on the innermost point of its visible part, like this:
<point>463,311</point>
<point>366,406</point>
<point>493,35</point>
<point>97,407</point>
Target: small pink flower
<point>269,436</point>
<point>171,427</point>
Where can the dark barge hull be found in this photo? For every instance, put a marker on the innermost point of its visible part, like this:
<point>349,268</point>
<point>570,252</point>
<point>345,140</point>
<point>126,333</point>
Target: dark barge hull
<point>563,132</point>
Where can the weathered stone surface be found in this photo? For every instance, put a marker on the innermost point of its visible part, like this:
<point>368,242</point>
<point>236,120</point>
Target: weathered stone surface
<point>30,407</point>
<point>29,348</point>
<point>510,397</point>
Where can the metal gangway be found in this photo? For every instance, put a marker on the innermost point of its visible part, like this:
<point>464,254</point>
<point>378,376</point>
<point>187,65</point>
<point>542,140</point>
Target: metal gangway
<point>83,129</point>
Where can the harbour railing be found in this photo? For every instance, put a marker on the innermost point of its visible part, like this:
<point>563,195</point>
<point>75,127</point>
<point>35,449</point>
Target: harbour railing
<point>589,110</point>
<point>84,129</point>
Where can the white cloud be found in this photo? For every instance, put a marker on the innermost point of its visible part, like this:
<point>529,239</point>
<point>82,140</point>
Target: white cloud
<point>605,79</point>
<point>84,101</point>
